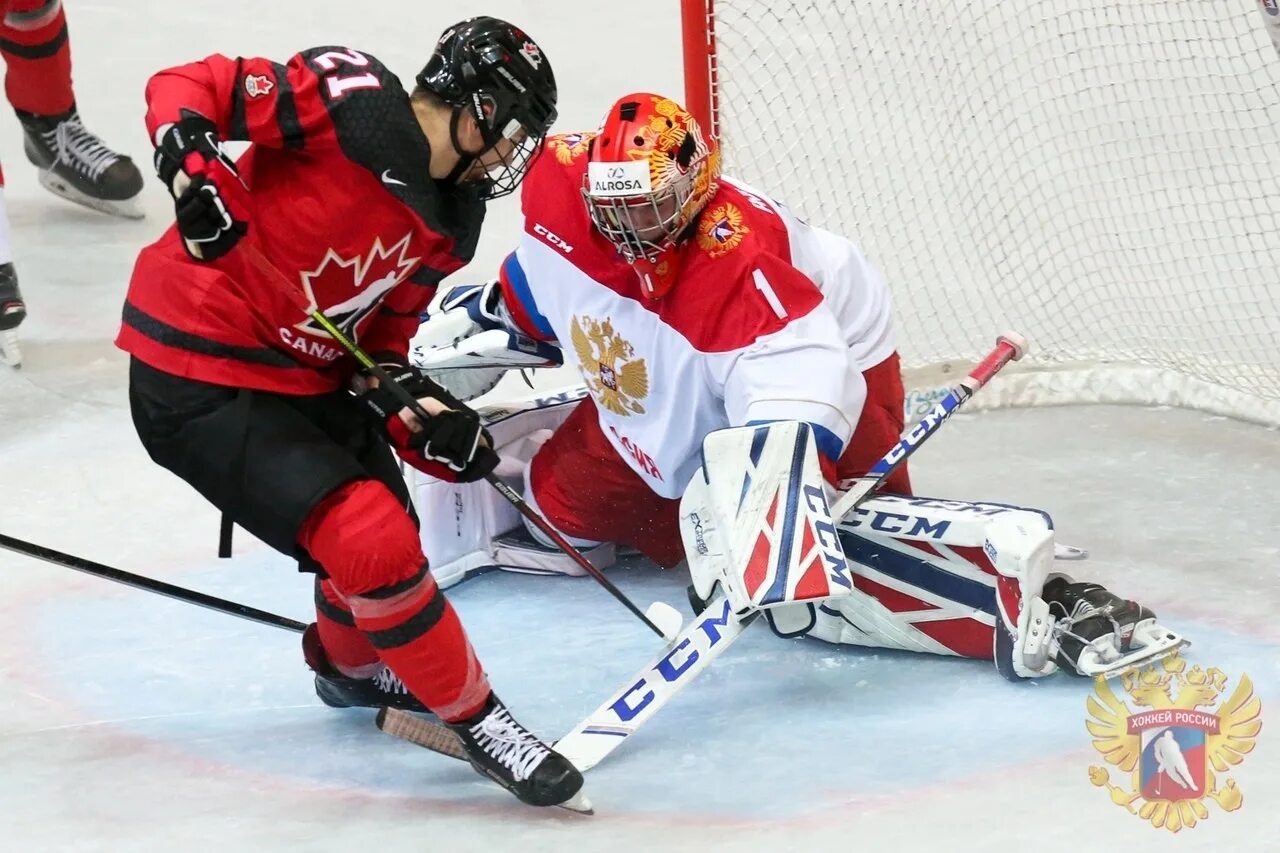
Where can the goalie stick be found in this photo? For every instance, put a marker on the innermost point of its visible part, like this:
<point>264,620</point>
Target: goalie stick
<point>717,627</point>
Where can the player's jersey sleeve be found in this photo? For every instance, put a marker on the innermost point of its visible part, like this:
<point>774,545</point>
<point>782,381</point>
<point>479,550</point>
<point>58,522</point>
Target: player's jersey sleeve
<point>261,101</point>
<point>798,370</point>
<point>522,311</point>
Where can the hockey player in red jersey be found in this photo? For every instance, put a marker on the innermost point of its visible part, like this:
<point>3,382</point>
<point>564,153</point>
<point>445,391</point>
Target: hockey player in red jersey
<point>702,314</point>
<point>74,163</point>
<point>363,197</point>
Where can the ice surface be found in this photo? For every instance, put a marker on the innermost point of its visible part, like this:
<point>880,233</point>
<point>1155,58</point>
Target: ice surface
<point>131,722</point>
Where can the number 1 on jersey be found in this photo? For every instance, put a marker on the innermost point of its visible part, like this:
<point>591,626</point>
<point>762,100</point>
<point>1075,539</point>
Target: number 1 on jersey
<point>763,285</point>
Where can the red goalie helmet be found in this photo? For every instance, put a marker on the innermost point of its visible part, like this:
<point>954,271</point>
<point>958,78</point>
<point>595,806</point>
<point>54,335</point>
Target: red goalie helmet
<point>650,172</point>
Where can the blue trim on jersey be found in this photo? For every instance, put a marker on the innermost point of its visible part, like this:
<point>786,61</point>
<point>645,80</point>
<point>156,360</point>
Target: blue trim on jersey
<point>829,444</point>
<point>520,287</point>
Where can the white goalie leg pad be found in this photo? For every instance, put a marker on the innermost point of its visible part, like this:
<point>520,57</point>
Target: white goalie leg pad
<point>757,521</point>
<point>468,527</point>
<point>932,575</point>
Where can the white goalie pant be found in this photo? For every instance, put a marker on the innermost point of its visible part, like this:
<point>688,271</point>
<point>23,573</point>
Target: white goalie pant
<point>939,576</point>
<point>466,527</point>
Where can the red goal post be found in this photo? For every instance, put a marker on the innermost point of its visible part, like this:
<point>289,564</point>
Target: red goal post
<point>1100,174</point>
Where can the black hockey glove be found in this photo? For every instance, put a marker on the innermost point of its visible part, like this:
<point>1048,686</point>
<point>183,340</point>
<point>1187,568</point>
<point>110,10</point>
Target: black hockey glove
<point>210,198</point>
<point>451,445</point>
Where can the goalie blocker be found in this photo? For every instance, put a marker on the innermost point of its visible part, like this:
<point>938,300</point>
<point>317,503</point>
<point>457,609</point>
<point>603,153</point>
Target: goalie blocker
<point>970,579</point>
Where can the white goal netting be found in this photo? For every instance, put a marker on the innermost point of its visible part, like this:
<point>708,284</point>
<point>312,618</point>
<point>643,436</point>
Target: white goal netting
<point>1101,176</point>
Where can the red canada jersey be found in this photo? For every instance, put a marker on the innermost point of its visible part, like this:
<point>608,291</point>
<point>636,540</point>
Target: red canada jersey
<point>340,201</point>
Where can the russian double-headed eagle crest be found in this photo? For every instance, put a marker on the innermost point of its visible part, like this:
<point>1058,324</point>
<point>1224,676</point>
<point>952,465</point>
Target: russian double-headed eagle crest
<point>1171,754</point>
<point>569,146</point>
<point>616,379</point>
<point>721,230</point>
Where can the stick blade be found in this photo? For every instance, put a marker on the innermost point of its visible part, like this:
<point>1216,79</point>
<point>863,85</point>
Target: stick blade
<point>667,618</point>
<point>437,738</point>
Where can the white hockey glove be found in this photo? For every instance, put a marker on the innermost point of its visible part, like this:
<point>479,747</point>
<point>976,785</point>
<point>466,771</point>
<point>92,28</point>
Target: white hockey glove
<point>468,343</point>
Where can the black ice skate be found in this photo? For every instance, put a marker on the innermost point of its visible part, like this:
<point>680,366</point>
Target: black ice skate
<point>384,690</point>
<point>75,164</point>
<point>12,312</point>
<point>511,755</point>
<point>1099,633</point>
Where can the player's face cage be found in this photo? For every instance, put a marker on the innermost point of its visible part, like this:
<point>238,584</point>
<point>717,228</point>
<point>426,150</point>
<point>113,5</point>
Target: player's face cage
<point>645,226</point>
<point>508,157</point>
<point>500,77</point>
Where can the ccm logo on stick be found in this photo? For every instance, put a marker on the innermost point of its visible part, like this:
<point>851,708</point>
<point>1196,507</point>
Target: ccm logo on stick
<point>673,666</point>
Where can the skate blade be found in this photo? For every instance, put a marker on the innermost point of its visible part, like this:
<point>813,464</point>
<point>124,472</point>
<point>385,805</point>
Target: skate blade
<point>129,208</point>
<point>1069,552</point>
<point>1159,648</point>
<point>578,804</point>
<point>10,351</point>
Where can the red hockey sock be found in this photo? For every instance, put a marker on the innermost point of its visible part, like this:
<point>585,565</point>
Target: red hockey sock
<point>37,57</point>
<point>369,547</point>
<point>345,645</point>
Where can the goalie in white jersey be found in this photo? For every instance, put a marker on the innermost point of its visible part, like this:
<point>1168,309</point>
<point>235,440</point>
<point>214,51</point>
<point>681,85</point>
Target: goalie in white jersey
<point>694,305</point>
<point>690,303</point>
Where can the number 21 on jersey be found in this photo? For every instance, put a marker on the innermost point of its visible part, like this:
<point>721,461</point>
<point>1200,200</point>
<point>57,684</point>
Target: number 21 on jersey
<point>341,84</point>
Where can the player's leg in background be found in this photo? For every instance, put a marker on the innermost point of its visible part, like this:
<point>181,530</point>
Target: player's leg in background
<point>74,162</point>
<point>583,487</point>
<point>12,308</point>
<point>879,427</point>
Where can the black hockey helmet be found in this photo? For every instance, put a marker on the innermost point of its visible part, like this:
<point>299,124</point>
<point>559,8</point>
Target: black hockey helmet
<point>496,73</point>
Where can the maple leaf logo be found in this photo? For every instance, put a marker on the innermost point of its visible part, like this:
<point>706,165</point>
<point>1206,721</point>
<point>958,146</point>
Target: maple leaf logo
<point>348,290</point>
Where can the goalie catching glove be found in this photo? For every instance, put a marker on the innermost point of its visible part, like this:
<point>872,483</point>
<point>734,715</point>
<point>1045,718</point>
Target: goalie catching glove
<point>451,445</point>
<point>468,343</point>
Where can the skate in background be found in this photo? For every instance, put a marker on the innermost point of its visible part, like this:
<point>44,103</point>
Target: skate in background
<point>73,162</point>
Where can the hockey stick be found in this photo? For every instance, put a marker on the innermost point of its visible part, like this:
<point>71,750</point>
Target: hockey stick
<point>1009,347</point>
<point>718,627</point>
<point>441,739</point>
<point>79,564</point>
<point>657,609</point>
<point>437,738</point>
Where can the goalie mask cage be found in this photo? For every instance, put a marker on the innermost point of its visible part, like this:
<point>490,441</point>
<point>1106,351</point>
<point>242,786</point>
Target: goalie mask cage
<point>1100,176</point>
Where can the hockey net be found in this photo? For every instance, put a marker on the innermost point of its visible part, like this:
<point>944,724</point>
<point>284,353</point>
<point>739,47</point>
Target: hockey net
<point>1096,174</point>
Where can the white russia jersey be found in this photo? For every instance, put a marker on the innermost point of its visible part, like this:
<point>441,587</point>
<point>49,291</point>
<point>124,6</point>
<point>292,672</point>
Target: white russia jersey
<point>769,319</point>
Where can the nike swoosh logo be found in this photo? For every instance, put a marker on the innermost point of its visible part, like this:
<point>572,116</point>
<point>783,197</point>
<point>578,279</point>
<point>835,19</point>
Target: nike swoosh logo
<point>387,179</point>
